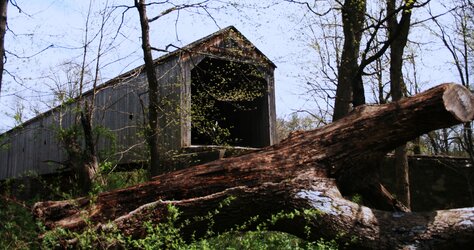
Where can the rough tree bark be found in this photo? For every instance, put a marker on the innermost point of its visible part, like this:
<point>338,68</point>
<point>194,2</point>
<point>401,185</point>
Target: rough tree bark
<point>353,16</point>
<point>398,32</point>
<point>295,174</point>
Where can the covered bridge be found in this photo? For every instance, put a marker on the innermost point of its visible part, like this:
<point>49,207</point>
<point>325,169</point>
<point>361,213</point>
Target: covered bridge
<point>218,90</point>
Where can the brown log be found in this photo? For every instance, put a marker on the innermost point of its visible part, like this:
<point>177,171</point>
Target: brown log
<point>295,174</point>
<point>350,223</point>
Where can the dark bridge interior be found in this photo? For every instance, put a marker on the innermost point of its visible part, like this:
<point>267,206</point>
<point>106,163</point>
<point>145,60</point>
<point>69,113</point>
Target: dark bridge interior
<point>229,104</point>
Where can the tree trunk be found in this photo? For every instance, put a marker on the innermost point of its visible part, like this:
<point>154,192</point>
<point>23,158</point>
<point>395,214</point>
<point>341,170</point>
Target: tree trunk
<point>353,16</point>
<point>294,174</point>
<point>76,162</point>
<point>398,32</point>
<point>3,28</point>
<point>153,103</point>
<point>332,216</point>
<point>89,154</point>
<point>402,176</point>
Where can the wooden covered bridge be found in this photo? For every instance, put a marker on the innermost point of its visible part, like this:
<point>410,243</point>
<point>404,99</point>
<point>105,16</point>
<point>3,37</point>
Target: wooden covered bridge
<point>217,90</point>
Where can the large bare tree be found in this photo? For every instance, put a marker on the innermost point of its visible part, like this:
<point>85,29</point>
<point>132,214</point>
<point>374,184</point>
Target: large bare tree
<point>367,38</point>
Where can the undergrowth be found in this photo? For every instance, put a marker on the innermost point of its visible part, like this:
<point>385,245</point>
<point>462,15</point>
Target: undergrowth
<point>19,230</point>
<point>167,235</point>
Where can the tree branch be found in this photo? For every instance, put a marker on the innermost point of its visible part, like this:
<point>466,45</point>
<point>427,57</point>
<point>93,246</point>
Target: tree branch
<point>177,8</point>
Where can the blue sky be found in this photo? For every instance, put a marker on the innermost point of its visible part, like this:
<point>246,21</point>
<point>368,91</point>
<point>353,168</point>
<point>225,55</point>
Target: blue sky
<point>276,31</point>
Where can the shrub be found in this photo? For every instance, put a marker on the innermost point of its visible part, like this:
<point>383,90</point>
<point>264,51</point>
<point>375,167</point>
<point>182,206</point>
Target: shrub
<point>17,228</point>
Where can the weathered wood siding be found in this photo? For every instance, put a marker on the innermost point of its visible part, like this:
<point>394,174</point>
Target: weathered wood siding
<point>34,147</point>
<point>121,109</point>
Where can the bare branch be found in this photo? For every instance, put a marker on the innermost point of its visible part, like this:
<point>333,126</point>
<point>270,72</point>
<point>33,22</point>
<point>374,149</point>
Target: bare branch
<point>166,49</point>
<point>448,43</point>
<point>30,56</point>
<point>177,8</point>
<point>20,10</point>
<point>432,17</point>
<point>311,9</point>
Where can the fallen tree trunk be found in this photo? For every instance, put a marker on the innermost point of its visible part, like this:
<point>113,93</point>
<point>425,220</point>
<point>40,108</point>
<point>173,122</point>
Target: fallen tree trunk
<point>334,216</point>
<point>295,174</point>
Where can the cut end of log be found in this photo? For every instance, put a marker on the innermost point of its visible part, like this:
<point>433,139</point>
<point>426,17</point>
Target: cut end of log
<point>459,101</point>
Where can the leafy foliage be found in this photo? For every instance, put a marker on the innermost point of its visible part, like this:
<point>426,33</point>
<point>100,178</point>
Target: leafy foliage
<point>18,229</point>
<point>167,235</point>
<point>260,240</point>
